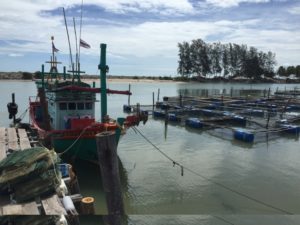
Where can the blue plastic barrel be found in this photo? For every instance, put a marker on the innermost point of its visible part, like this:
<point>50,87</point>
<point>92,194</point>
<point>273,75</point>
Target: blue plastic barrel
<point>240,120</point>
<point>243,135</point>
<point>159,114</point>
<point>207,112</point>
<point>193,122</point>
<point>173,117</point>
<point>164,106</point>
<point>64,169</point>
<point>291,129</point>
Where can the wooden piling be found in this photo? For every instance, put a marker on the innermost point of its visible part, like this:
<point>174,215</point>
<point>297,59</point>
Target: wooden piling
<point>87,206</point>
<point>109,167</point>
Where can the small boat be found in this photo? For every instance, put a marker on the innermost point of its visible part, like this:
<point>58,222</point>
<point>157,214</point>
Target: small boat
<point>63,112</point>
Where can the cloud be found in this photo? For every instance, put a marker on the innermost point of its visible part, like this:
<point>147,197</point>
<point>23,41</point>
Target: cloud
<point>15,55</point>
<point>294,10</point>
<point>33,23</point>
<point>232,3</point>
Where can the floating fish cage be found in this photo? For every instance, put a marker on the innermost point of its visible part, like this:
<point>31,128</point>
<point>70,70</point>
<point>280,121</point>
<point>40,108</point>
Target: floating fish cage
<point>246,120</point>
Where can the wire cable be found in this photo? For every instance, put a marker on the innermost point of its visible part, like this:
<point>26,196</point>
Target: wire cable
<point>211,180</point>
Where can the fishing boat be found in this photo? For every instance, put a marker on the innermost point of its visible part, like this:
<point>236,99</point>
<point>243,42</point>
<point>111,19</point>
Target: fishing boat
<point>63,112</point>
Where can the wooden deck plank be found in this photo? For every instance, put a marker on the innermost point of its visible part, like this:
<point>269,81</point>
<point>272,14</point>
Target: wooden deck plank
<point>12,139</point>
<point>21,209</point>
<point>53,206</point>
<point>24,141</point>
<point>2,143</point>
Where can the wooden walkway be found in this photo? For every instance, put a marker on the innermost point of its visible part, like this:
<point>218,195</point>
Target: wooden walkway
<point>15,139</point>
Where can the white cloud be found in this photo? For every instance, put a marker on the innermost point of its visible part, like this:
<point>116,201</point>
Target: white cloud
<point>21,20</point>
<point>15,55</point>
<point>294,10</point>
<point>232,3</point>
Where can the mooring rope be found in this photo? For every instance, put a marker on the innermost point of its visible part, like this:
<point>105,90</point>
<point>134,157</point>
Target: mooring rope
<point>211,180</point>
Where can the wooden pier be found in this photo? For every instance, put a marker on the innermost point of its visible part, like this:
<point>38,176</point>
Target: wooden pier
<point>13,139</point>
<point>16,139</point>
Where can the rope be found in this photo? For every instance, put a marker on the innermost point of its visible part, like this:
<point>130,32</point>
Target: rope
<point>79,136</point>
<point>77,139</point>
<point>211,180</point>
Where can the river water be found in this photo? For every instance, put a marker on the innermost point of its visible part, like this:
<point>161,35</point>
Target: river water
<point>235,182</point>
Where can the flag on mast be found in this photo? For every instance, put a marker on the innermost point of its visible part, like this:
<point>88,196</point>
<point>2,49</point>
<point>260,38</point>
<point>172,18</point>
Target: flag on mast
<point>84,44</point>
<point>54,49</point>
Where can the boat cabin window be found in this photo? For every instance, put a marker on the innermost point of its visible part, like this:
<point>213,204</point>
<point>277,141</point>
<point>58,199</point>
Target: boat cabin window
<point>88,105</point>
<point>72,106</point>
<point>63,106</point>
<point>80,105</point>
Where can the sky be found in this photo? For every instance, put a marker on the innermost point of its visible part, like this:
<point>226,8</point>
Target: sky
<point>142,36</point>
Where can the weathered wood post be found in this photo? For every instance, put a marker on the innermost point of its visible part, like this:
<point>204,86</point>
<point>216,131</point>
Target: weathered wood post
<point>180,100</point>
<point>109,167</point>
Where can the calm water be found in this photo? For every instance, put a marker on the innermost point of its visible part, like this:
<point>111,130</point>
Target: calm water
<point>267,171</point>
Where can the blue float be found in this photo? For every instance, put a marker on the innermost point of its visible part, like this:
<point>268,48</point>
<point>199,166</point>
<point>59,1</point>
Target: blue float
<point>207,112</point>
<point>173,117</point>
<point>193,122</point>
<point>159,114</point>
<point>291,129</point>
<point>240,120</point>
<point>243,135</point>
<point>164,106</point>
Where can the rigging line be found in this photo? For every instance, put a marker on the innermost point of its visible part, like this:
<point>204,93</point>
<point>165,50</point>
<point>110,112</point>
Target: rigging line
<point>211,180</point>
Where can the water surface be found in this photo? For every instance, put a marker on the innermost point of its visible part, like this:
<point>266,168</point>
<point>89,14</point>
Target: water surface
<point>268,171</point>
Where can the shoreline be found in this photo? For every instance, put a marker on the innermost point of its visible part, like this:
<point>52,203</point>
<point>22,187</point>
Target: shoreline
<point>129,80</point>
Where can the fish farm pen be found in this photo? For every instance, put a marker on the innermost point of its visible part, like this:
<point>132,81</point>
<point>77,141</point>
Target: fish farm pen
<point>248,116</point>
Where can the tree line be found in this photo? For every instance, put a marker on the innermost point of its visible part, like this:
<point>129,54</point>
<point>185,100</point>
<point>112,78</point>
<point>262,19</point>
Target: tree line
<point>226,60</point>
<point>289,70</point>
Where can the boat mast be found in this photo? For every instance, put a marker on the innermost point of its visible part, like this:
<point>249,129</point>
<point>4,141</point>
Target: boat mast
<point>77,62</point>
<point>70,50</point>
<point>80,34</point>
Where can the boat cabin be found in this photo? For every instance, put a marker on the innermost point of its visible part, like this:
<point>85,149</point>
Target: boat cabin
<point>70,109</point>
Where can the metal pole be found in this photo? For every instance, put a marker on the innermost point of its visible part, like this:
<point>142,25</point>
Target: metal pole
<point>129,95</point>
<point>158,92</point>
<point>13,102</point>
<point>103,67</point>
<point>43,75</point>
<point>153,97</point>
<point>65,73</point>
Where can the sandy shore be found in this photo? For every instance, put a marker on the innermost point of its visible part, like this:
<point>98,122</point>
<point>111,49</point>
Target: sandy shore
<point>114,80</point>
<point>127,80</point>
